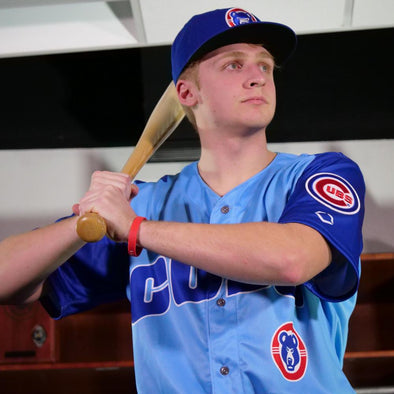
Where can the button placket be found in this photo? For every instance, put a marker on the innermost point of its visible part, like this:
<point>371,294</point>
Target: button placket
<point>221,302</point>
<point>224,370</point>
<point>225,209</point>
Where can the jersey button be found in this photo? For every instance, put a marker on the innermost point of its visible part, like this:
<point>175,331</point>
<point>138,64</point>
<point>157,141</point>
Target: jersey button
<point>225,209</point>
<point>224,371</point>
<point>221,302</point>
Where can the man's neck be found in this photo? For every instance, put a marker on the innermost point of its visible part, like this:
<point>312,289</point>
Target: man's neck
<point>227,162</point>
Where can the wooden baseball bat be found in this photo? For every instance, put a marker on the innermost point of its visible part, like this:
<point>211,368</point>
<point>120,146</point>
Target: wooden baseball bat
<point>164,119</point>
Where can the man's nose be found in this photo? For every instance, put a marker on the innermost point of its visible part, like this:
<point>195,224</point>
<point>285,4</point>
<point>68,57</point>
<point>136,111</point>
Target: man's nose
<point>256,77</point>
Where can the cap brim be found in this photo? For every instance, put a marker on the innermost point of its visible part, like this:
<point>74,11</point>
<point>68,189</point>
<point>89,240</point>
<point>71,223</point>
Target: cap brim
<point>278,39</point>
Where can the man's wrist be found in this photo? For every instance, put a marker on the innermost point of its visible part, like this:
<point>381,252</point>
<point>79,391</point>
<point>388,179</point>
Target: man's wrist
<point>132,245</point>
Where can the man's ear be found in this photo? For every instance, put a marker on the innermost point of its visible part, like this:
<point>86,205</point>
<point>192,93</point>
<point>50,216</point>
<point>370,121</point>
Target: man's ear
<point>187,92</point>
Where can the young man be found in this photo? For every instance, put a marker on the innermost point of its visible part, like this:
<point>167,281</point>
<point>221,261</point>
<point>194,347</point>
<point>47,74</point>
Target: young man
<point>244,266</point>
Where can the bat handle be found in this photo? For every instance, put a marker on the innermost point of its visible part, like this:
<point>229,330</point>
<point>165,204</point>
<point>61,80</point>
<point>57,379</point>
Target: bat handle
<point>91,227</point>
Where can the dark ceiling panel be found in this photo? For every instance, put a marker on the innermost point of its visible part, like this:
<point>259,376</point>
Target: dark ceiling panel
<point>338,86</point>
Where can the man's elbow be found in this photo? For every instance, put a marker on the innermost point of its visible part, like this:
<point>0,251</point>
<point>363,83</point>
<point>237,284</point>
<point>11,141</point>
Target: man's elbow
<point>20,297</point>
<point>299,267</point>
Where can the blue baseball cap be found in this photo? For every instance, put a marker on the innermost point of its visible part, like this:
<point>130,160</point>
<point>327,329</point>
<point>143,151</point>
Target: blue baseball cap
<point>208,31</point>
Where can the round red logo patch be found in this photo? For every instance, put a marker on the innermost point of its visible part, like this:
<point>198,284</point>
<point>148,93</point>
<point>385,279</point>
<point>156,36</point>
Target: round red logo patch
<point>238,16</point>
<point>289,352</point>
<point>334,192</point>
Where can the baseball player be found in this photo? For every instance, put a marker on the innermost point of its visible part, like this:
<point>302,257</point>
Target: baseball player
<point>242,270</point>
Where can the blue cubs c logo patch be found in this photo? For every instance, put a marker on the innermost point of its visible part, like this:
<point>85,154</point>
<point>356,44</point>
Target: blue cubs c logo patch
<point>334,192</point>
<point>289,352</point>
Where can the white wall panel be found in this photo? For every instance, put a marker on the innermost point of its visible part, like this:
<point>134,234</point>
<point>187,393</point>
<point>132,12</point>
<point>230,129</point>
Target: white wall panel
<point>48,26</point>
<point>304,16</point>
<point>373,13</point>
<point>61,28</point>
<point>163,19</point>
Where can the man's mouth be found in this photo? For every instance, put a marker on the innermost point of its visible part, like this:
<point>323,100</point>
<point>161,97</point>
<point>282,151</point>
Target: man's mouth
<point>255,100</point>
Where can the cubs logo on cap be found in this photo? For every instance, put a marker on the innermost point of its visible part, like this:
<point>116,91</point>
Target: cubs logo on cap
<point>238,16</point>
<point>334,192</point>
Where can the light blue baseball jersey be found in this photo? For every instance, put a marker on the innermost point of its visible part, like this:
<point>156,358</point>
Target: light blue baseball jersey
<point>200,333</point>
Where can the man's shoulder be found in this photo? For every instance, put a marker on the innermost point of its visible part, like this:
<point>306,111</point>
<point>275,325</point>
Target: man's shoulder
<point>336,162</point>
<point>316,159</point>
<point>171,184</point>
<point>168,180</point>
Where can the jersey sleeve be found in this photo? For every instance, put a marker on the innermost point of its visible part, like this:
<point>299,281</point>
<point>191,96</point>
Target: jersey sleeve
<point>329,197</point>
<point>96,274</point>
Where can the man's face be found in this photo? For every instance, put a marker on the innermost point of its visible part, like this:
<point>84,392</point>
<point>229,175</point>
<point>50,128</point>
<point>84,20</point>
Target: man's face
<point>237,88</point>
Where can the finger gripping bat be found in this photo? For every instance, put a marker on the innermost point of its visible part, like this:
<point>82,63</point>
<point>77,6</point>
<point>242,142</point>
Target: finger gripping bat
<point>164,119</point>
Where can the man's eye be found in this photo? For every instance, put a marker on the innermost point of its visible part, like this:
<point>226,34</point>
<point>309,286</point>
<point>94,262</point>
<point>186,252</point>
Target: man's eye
<point>233,66</point>
<point>264,68</point>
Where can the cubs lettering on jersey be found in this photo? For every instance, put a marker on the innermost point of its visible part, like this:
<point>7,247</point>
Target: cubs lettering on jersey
<point>153,292</point>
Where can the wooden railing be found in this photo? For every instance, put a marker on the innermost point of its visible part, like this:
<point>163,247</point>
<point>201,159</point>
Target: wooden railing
<point>369,359</point>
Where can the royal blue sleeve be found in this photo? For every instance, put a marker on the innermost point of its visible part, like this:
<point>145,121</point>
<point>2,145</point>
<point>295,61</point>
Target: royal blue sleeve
<point>98,273</point>
<point>329,197</point>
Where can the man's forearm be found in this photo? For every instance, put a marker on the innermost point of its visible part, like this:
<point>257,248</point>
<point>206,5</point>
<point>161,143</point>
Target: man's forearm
<point>261,253</point>
<point>27,259</point>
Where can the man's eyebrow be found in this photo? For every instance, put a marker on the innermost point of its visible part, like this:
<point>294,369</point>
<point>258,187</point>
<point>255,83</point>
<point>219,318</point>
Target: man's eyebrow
<point>241,54</point>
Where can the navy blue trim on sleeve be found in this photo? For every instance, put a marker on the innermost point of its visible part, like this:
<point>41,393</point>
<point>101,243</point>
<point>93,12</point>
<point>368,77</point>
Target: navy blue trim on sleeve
<point>329,197</point>
<point>98,273</point>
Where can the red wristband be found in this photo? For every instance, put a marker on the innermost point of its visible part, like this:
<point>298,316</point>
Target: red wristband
<point>133,248</point>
